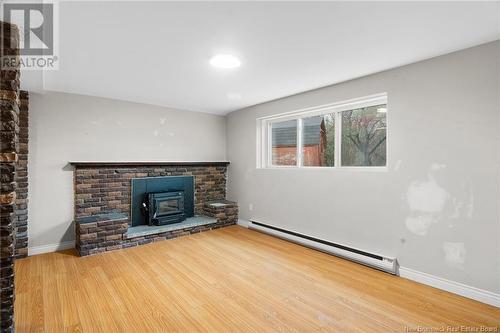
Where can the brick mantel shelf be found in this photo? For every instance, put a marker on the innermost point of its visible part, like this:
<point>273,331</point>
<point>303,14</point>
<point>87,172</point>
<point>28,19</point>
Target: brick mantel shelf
<point>146,163</point>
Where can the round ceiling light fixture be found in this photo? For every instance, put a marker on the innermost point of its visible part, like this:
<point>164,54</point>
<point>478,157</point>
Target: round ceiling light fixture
<point>226,61</point>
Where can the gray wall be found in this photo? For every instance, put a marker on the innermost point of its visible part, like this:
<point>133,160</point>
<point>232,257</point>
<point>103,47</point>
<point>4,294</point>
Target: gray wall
<point>435,208</point>
<point>66,127</point>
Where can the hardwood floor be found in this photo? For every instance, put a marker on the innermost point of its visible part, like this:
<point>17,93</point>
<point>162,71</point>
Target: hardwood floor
<point>227,280</point>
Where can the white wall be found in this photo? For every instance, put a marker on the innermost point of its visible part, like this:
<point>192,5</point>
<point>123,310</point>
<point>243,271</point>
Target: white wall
<point>443,160</point>
<point>67,127</point>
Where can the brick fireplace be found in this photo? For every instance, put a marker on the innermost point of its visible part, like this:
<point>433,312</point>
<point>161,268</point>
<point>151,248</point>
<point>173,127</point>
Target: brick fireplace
<point>103,196</point>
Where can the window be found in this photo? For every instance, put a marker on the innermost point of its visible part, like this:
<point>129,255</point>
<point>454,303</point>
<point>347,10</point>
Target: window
<point>318,136</point>
<point>364,136</point>
<point>348,134</point>
<point>284,143</point>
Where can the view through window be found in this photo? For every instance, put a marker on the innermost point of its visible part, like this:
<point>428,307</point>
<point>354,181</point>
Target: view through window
<point>318,136</point>
<point>284,141</point>
<point>364,136</point>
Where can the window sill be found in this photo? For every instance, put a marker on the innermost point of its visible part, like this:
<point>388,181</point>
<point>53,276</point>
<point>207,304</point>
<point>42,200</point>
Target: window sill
<point>345,168</point>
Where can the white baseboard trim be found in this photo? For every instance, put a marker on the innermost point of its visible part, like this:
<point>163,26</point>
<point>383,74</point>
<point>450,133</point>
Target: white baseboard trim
<point>458,288</point>
<point>50,248</point>
<point>243,223</point>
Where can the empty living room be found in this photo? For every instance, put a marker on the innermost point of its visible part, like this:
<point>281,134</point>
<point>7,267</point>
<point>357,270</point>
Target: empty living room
<point>249,166</point>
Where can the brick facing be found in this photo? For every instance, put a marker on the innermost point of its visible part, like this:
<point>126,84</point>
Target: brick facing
<point>101,190</point>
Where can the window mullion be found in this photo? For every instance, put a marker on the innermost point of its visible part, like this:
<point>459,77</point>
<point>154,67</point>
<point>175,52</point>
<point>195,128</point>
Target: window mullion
<point>338,139</point>
<point>299,142</point>
<point>269,139</point>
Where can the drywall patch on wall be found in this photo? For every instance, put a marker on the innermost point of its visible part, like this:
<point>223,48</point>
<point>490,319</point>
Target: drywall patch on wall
<point>470,206</point>
<point>454,254</point>
<point>463,208</point>
<point>426,200</point>
<point>457,209</point>
<point>426,196</point>
<point>430,203</point>
<point>397,165</point>
<point>437,166</point>
<point>421,224</point>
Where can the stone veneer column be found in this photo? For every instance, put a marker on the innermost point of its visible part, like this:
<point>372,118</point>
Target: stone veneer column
<point>21,225</point>
<point>9,148</point>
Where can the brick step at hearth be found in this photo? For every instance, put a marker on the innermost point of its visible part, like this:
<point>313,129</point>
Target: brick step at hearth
<point>223,210</point>
<point>112,231</point>
<point>186,225</point>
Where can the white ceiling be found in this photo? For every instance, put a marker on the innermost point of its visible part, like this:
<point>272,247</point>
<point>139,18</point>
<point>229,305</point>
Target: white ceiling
<point>158,52</point>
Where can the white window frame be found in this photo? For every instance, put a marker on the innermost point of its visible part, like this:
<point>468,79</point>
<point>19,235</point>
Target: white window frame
<point>264,135</point>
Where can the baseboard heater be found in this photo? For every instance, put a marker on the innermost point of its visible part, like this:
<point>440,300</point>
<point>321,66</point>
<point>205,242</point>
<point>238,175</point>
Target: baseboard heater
<point>386,264</point>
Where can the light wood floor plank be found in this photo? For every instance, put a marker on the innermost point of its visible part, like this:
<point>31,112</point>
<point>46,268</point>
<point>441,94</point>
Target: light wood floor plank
<point>227,280</point>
